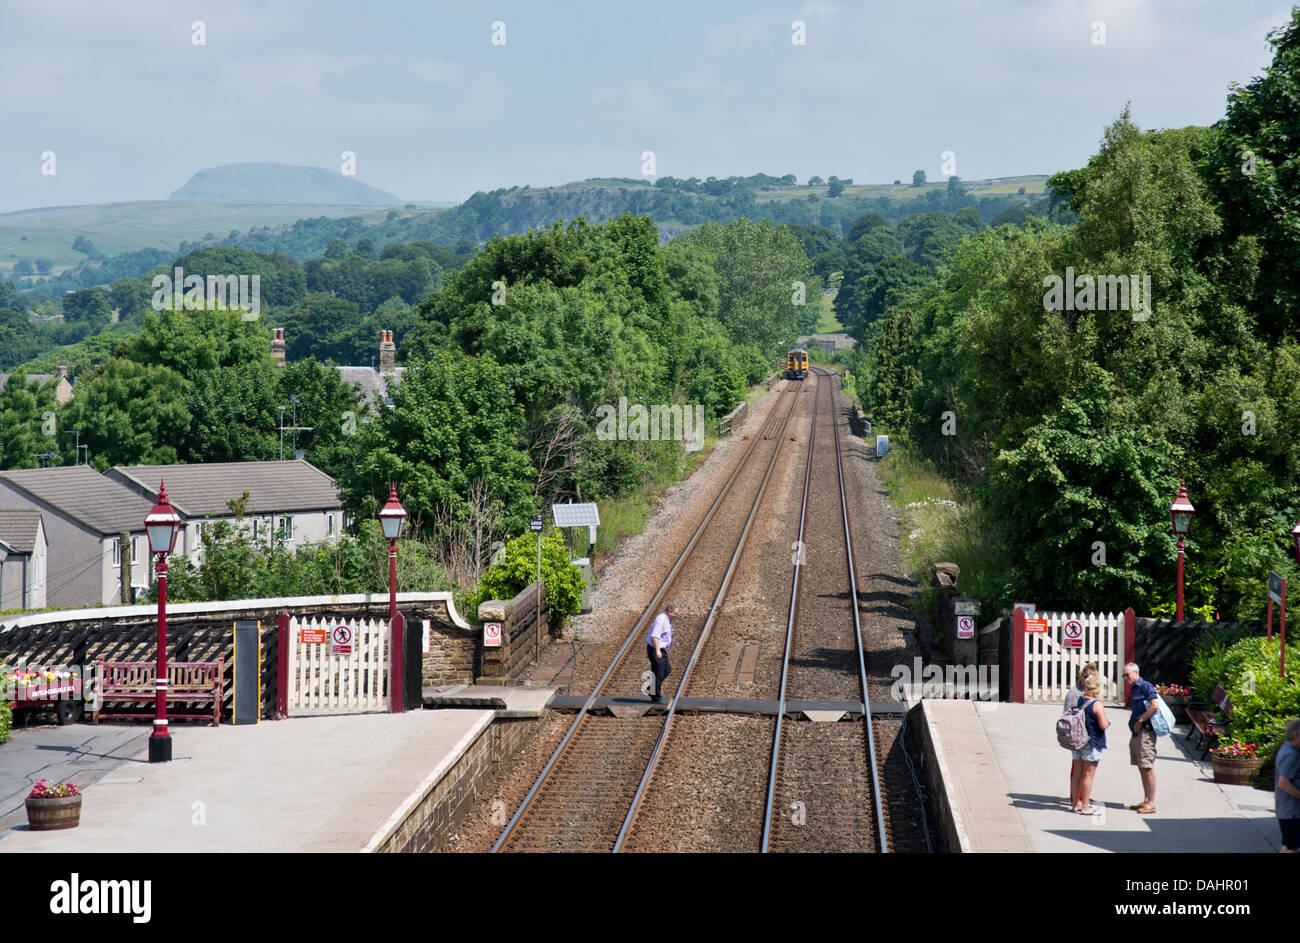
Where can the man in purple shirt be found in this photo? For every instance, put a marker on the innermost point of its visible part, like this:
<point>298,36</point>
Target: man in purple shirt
<point>658,642</point>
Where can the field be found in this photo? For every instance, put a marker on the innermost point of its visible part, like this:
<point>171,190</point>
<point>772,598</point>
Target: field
<point>1034,186</point>
<point>162,224</point>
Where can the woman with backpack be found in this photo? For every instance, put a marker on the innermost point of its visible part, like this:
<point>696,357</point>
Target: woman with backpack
<point>1087,758</point>
<point>1071,702</point>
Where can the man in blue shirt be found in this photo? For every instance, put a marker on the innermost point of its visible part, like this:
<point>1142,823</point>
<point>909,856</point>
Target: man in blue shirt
<point>1142,743</point>
<point>1286,792</point>
<point>657,644</point>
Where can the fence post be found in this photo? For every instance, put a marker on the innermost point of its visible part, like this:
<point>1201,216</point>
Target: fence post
<point>396,669</point>
<point>1130,644</point>
<point>284,638</point>
<point>1018,657</point>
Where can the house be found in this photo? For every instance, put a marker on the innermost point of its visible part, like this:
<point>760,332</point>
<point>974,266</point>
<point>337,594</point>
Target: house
<point>294,500</point>
<point>373,383</point>
<point>829,343</point>
<point>63,390</point>
<point>23,559</point>
<point>82,515</point>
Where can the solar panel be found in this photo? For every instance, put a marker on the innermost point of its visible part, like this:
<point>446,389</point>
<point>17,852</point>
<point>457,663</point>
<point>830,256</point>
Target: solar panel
<point>575,515</point>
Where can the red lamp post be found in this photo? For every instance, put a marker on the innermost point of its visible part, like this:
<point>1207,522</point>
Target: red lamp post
<point>162,524</point>
<point>392,516</point>
<point>1295,535</point>
<point>1181,513</point>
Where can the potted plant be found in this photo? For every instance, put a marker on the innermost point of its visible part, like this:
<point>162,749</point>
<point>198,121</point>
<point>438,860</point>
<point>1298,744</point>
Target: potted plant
<point>52,807</point>
<point>1234,763</point>
<point>1176,696</point>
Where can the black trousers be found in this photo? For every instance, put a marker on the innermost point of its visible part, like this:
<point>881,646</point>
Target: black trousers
<point>659,666</point>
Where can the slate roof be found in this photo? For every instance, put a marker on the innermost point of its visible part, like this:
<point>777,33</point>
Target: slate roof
<point>83,494</point>
<point>373,384</point>
<point>18,529</point>
<point>202,489</point>
<point>41,378</point>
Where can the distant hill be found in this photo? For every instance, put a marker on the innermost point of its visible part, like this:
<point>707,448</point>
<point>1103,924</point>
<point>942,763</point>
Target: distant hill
<point>280,183</point>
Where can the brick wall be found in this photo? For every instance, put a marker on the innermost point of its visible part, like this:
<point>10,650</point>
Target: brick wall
<point>466,784</point>
<point>519,634</point>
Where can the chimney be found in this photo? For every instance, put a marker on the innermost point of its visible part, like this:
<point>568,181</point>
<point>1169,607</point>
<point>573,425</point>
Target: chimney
<point>387,352</point>
<point>277,346</point>
<point>63,370</point>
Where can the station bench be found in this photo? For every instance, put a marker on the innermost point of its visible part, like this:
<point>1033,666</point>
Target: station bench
<point>188,682</point>
<point>1205,724</point>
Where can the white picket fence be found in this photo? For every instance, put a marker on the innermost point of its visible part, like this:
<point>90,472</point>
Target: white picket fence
<point>323,683</point>
<point>1050,669</point>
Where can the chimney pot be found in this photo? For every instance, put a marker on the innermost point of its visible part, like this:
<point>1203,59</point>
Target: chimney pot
<point>387,352</point>
<point>277,346</point>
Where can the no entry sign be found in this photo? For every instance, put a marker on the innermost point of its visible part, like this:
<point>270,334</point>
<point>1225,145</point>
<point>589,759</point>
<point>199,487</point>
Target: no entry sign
<point>965,626</point>
<point>1073,634</point>
<point>492,634</point>
<point>341,641</point>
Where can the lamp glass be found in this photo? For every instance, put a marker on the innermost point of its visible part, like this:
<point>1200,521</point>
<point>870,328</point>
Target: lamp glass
<point>392,525</point>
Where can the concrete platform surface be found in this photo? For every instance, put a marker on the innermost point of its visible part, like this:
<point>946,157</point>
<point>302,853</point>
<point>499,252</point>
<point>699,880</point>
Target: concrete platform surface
<point>323,782</point>
<point>1194,814</point>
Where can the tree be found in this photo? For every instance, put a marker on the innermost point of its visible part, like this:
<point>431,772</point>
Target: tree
<point>84,245</point>
<point>816,182</point>
<point>23,430</point>
<point>44,266</point>
<point>918,178</point>
<point>129,414</point>
<point>834,188</point>
<point>90,307</point>
<point>24,267</point>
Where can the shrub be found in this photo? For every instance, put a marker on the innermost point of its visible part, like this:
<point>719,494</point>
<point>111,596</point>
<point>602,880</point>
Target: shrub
<point>518,567</point>
<point>1262,701</point>
<point>6,720</point>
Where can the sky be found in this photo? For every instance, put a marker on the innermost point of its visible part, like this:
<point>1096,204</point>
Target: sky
<point>439,99</point>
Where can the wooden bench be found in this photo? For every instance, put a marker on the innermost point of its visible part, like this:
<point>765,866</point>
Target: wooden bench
<point>188,682</point>
<point>1205,724</point>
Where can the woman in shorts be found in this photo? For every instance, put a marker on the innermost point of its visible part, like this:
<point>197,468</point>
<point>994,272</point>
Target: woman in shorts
<point>1071,700</point>
<point>1094,716</point>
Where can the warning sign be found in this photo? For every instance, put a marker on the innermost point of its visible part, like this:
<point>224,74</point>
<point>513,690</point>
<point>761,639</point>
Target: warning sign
<point>965,626</point>
<point>1035,625</point>
<point>1073,634</point>
<point>492,634</point>
<point>313,636</point>
<point>341,638</point>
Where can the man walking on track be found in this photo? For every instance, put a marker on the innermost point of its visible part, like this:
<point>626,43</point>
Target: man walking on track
<point>658,642</point>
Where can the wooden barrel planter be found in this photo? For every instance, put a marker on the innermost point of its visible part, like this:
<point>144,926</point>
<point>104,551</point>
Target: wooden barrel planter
<point>1235,770</point>
<point>45,815</point>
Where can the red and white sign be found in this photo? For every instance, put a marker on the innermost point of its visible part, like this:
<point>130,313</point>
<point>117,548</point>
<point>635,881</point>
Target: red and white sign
<point>313,636</point>
<point>492,634</point>
<point>1073,634</point>
<point>965,626</point>
<point>426,626</point>
<point>341,641</point>
<point>1035,625</point>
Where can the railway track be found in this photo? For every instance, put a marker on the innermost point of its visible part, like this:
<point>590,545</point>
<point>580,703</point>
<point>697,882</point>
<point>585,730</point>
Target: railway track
<point>813,764</point>
<point>587,795</point>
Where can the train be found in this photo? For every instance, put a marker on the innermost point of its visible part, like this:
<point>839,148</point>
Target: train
<point>796,364</point>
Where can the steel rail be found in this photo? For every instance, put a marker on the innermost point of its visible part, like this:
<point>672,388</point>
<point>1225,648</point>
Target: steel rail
<point>789,628</point>
<point>793,392</point>
<point>704,634</point>
<point>857,634</point>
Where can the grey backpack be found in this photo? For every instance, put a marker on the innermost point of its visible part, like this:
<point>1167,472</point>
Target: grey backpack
<point>1072,727</point>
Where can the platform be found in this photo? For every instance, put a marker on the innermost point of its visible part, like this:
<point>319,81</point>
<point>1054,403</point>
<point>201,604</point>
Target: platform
<point>336,783</point>
<point>1005,784</point>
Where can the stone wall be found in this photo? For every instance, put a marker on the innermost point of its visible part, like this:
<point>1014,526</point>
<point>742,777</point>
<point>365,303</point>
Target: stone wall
<point>520,631</point>
<point>444,808</point>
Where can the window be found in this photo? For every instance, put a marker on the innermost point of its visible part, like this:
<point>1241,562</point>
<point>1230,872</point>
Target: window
<point>286,528</point>
<point>329,525</point>
<point>117,552</point>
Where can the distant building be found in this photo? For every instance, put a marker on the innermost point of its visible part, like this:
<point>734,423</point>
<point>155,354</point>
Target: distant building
<point>373,383</point>
<point>23,560</point>
<point>827,342</point>
<point>293,500</point>
<point>62,392</point>
<point>82,513</point>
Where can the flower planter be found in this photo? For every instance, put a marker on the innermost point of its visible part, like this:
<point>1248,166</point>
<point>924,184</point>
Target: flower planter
<point>1178,704</point>
<point>1235,770</point>
<point>44,815</point>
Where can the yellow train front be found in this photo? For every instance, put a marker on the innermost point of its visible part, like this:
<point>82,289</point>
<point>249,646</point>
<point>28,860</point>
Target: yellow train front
<point>796,364</point>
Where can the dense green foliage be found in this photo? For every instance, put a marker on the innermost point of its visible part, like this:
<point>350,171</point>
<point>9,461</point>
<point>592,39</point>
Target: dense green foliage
<point>517,568</point>
<point>1073,423</point>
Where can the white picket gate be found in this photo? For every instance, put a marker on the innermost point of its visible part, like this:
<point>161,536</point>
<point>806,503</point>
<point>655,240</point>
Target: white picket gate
<point>1045,669</point>
<point>324,683</point>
